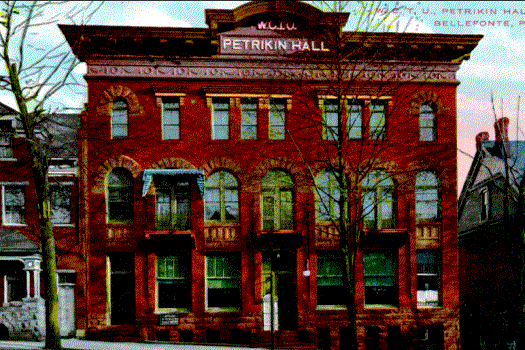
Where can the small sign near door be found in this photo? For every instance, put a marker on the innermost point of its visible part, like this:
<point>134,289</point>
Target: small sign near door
<point>169,319</point>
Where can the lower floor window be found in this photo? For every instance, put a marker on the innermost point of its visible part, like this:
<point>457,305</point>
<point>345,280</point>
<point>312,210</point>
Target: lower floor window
<point>13,205</point>
<point>330,290</point>
<point>380,278</point>
<point>428,263</point>
<point>223,281</point>
<point>174,282</point>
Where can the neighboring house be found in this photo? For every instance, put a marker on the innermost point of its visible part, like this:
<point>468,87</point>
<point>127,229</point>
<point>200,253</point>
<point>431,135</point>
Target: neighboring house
<point>486,284</point>
<point>190,197</point>
<point>22,310</point>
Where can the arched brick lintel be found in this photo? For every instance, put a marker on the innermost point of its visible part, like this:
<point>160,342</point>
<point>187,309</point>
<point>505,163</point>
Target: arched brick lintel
<point>301,181</point>
<point>109,95</point>
<point>426,96</point>
<point>121,161</point>
<point>172,163</point>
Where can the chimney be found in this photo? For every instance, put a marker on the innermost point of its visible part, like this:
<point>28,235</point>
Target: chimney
<point>482,136</point>
<point>501,127</point>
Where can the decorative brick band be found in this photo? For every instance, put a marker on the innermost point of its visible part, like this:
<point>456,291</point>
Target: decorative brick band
<point>121,161</point>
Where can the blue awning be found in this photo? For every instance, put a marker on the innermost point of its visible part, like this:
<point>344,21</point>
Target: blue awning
<point>148,174</point>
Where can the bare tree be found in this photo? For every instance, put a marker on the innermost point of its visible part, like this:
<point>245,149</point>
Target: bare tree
<point>36,71</point>
<point>352,152</point>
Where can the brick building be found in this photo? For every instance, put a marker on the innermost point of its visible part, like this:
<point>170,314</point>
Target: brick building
<point>191,184</point>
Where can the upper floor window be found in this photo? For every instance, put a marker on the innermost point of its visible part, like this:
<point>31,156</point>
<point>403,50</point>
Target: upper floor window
<point>174,281</point>
<point>170,118</point>
<point>331,114</point>
<point>330,290</point>
<point>119,119</point>
<point>377,120</point>
<point>221,197</point>
<point>277,201</point>
<point>354,111</point>
<point>120,195</point>
<point>428,277</point>
<point>6,138</point>
<point>173,204</point>
<point>327,197</point>
<point>249,118</point>
<point>223,281</point>
<point>220,116</point>
<point>13,204</point>
<point>276,118</point>
<point>427,197</point>
<point>485,204</point>
<point>380,278</point>
<point>60,204</point>
<point>426,122</point>
<point>378,200</point>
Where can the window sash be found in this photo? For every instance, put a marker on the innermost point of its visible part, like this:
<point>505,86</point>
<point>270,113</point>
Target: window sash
<point>220,118</point>
<point>119,120</point>
<point>173,207</point>
<point>173,281</point>
<point>327,197</point>
<point>221,198</point>
<point>223,281</point>
<point>354,112</point>
<point>60,205</point>
<point>170,119</point>
<point>249,118</point>
<point>13,205</point>
<point>377,120</point>
<point>276,119</point>
<point>426,122</point>
<point>428,277</point>
<point>379,272</point>
<point>330,119</point>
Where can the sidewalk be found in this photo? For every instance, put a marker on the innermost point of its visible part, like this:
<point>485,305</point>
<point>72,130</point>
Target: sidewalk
<point>98,345</point>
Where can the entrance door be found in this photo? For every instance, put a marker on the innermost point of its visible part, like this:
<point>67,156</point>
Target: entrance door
<point>66,303</point>
<point>280,268</point>
<point>122,288</point>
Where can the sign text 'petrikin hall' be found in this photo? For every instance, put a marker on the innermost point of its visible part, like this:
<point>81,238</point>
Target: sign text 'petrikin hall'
<point>269,45</point>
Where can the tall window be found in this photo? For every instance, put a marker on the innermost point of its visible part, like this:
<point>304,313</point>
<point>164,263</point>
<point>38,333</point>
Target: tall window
<point>174,281</point>
<point>354,111</point>
<point>330,119</point>
<point>60,204</point>
<point>170,118</point>
<point>330,290</point>
<point>277,201</point>
<point>426,122</point>
<point>427,197</point>
<point>221,197</point>
<point>249,118</point>
<point>220,115</point>
<point>327,197</point>
<point>120,195</point>
<point>6,137</point>
<point>223,281</point>
<point>428,277</point>
<point>276,118</point>
<point>378,200</point>
<point>379,278</point>
<point>377,120</point>
<point>173,204</point>
<point>13,212</point>
<point>119,119</point>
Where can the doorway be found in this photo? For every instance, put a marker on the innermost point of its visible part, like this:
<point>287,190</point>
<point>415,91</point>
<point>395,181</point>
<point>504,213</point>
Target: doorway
<point>122,288</point>
<point>279,272</point>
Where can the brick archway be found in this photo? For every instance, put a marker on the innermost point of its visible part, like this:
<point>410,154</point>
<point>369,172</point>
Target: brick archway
<point>426,96</point>
<point>302,183</point>
<point>121,161</point>
<point>172,163</point>
<point>105,103</point>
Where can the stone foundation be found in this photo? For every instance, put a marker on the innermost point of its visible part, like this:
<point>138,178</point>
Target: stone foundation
<point>23,320</point>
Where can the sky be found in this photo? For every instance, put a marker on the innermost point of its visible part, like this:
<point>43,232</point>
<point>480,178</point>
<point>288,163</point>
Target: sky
<point>494,71</point>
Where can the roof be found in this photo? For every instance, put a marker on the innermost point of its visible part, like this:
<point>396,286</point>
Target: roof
<point>12,242</point>
<point>95,42</point>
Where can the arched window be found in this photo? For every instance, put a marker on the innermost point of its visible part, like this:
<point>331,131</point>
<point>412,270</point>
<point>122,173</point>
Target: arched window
<point>119,119</point>
<point>277,201</point>
<point>221,197</point>
<point>378,200</point>
<point>120,195</point>
<point>427,130</point>
<point>427,197</point>
<point>327,197</point>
